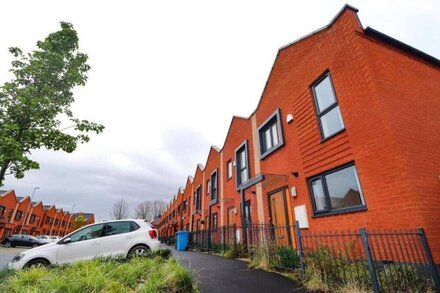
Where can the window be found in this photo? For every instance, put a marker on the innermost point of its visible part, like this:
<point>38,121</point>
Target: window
<point>270,135</point>
<point>336,191</point>
<point>198,197</point>
<point>241,158</point>
<point>178,209</point>
<point>56,222</point>
<point>184,205</point>
<point>87,233</point>
<point>214,221</point>
<point>229,170</point>
<point>116,228</point>
<point>63,223</point>
<point>32,219</point>
<point>327,108</point>
<point>18,215</point>
<point>2,210</point>
<point>214,185</point>
<point>208,187</point>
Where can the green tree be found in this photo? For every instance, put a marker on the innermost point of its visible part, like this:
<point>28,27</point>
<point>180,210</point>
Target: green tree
<point>80,220</point>
<point>39,96</point>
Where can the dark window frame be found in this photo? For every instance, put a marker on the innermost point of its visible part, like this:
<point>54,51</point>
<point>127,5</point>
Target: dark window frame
<point>242,147</point>
<point>32,218</point>
<point>214,187</point>
<point>319,114</point>
<point>330,211</point>
<point>274,118</point>
<point>2,210</point>
<point>214,221</point>
<point>20,213</point>
<point>229,174</point>
<point>199,198</point>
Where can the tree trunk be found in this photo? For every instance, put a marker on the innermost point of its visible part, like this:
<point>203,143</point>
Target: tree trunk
<point>3,169</point>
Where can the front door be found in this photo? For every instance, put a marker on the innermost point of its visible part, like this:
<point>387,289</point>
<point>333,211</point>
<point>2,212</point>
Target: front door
<point>231,224</point>
<point>278,218</point>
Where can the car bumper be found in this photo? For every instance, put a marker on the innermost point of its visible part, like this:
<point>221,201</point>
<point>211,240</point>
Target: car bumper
<point>16,265</point>
<point>155,245</point>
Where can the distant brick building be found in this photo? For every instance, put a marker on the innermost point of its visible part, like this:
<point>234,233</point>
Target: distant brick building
<point>345,135</point>
<point>18,215</point>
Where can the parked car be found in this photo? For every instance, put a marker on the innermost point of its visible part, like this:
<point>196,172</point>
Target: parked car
<point>47,238</point>
<point>21,240</point>
<point>110,239</point>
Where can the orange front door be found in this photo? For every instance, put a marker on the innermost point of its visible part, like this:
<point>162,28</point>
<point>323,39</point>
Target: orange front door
<point>278,218</point>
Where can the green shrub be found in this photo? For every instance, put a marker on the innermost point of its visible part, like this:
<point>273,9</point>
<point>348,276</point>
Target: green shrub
<point>403,278</point>
<point>326,272</point>
<point>6,273</point>
<point>139,274</point>
<point>285,257</point>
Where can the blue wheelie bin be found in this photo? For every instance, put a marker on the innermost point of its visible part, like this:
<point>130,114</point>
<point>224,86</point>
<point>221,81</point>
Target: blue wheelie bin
<point>182,240</point>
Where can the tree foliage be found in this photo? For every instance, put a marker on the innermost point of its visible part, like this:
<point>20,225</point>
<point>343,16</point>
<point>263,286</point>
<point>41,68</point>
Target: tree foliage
<point>120,210</point>
<point>38,97</point>
<point>149,210</point>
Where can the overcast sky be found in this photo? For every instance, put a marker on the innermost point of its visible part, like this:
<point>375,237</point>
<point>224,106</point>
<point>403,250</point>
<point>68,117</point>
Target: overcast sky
<point>166,78</point>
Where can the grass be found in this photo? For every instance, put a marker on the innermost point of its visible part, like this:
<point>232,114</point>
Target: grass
<point>153,274</point>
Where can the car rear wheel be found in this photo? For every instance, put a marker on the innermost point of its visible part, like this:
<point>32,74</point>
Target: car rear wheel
<point>39,262</point>
<point>34,245</point>
<point>7,244</point>
<point>138,250</point>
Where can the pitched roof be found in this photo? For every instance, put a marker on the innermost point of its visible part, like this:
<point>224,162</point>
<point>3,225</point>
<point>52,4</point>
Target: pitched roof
<point>402,46</point>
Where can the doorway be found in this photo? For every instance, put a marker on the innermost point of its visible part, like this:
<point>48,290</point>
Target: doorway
<point>279,218</point>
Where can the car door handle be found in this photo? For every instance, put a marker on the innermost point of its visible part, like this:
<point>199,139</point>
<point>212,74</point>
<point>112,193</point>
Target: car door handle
<point>95,243</point>
<point>129,237</point>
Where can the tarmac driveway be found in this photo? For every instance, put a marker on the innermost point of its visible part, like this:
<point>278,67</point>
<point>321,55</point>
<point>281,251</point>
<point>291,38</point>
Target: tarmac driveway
<point>6,254</point>
<point>217,274</point>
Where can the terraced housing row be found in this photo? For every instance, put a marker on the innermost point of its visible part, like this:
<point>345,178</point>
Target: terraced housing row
<point>20,215</point>
<point>345,135</point>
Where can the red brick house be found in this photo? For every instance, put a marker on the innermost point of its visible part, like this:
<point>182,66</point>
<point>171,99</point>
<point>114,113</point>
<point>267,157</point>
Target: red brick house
<point>345,135</point>
<point>34,218</point>
<point>8,203</point>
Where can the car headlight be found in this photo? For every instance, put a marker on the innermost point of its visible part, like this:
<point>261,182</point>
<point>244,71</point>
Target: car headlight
<point>17,257</point>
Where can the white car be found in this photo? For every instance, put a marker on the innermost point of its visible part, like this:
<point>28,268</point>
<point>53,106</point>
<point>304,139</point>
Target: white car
<point>110,239</point>
<point>48,239</point>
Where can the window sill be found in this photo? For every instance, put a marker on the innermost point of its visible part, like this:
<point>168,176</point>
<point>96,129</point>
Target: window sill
<point>270,151</point>
<point>333,135</point>
<point>340,211</point>
<point>213,202</point>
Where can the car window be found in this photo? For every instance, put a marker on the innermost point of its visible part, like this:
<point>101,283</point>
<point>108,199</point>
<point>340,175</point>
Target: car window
<point>116,228</point>
<point>134,226</point>
<point>87,233</point>
<point>53,237</point>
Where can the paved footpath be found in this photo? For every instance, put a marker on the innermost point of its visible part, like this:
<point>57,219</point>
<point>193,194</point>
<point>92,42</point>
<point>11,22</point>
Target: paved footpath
<point>217,274</point>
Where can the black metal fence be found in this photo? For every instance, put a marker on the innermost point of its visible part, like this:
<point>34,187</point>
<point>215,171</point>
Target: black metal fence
<point>217,240</point>
<point>381,261</point>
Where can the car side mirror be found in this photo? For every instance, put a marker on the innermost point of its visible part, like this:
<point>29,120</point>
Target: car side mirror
<point>67,240</point>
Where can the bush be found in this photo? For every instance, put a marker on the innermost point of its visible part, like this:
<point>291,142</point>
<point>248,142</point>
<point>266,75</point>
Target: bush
<point>326,272</point>
<point>403,278</point>
<point>139,274</point>
<point>285,257</point>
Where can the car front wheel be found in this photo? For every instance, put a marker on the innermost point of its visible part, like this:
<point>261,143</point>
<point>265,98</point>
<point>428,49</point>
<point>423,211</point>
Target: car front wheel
<point>34,245</point>
<point>139,250</point>
<point>39,262</point>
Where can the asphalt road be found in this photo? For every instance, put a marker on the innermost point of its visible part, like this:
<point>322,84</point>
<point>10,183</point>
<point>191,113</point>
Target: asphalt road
<point>217,274</point>
<point>6,254</point>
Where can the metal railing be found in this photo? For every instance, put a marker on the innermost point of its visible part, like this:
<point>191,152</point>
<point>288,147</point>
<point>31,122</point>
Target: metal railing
<point>377,260</point>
